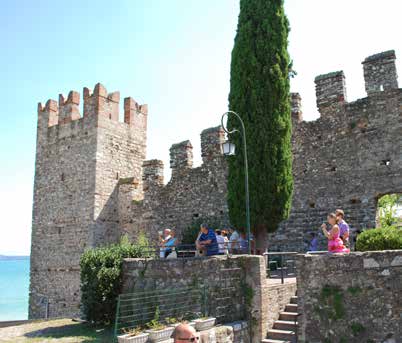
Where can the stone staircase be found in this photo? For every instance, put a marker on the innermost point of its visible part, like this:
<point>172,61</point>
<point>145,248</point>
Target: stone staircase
<point>284,329</point>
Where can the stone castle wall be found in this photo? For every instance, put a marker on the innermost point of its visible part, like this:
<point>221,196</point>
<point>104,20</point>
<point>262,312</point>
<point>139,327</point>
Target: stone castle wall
<point>191,194</point>
<point>78,163</point>
<point>92,183</point>
<point>347,158</point>
<point>350,298</point>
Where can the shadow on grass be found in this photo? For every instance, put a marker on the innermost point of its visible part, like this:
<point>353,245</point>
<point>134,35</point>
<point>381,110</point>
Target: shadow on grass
<point>84,333</point>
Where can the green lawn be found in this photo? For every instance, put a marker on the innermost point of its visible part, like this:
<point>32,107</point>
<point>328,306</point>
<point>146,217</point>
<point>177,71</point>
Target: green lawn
<point>60,331</point>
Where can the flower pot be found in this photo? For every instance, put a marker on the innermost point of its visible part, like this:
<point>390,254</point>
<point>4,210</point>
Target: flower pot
<point>127,338</point>
<point>160,335</point>
<point>204,324</point>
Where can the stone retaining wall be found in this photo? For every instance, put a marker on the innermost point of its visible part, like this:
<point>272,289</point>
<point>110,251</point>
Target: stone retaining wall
<point>236,285</point>
<point>278,297</point>
<point>350,298</point>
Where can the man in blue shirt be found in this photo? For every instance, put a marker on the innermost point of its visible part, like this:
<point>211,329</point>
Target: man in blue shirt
<point>207,241</point>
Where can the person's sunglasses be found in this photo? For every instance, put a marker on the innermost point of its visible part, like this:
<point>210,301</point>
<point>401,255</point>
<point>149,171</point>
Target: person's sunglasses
<point>191,339</point>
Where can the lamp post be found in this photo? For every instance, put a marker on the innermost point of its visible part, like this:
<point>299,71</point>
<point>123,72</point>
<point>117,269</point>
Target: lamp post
<point>229,149</point>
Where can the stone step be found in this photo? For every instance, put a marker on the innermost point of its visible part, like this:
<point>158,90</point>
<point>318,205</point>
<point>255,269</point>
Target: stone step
<point>267,340</point>
<point>281,334</point>
<point>291,308</point>
<point>285,325</point>
<point>293,300</point>
<point>292,316</point>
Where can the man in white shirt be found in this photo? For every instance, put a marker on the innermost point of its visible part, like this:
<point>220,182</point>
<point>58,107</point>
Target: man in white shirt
<point>221,241</point>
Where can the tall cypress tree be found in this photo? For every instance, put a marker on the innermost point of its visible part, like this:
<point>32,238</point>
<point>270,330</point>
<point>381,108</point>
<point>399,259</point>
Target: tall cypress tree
<point>259,93</point>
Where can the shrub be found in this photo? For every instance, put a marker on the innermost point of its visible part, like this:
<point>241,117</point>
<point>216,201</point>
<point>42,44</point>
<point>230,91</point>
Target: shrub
<point>101,272</point>
<point>387,238</point>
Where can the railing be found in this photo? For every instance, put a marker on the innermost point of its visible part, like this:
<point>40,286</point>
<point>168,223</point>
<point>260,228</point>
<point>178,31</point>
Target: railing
<point>280,265</point>
<point>137,309</point>
<point>186,250</point>
<point>221,297</point>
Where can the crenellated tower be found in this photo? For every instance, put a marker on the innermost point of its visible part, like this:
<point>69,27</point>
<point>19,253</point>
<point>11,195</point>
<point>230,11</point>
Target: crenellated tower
<point>80,160</point>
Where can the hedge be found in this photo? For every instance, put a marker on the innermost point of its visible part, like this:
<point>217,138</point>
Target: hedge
<point>101,274</point>
<point>387,238</point>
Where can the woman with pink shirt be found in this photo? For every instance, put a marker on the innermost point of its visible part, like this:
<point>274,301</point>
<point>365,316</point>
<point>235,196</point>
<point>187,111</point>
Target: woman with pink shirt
<point>335,243</point>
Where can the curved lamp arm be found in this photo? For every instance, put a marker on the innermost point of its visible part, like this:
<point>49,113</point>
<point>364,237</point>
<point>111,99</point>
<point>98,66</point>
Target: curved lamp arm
<point>247,196</point>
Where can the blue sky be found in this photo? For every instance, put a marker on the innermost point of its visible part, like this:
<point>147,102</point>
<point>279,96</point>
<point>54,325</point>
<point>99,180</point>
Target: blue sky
<point>173,55</point>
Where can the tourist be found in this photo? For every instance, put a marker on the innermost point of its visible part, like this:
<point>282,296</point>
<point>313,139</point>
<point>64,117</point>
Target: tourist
<point>335,244</point>
<point>313,246</point>
<point>234,241</point>
<point>185,333</point>
<point>207,242</point>
<point>243,243</point>
<point>226,241</point>
<point>170,245</point>
<point>163,239</point>
<point>221,241</point>
<point>343,227</point>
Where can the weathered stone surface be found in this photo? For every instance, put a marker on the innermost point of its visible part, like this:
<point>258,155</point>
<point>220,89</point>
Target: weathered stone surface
<point>79,162</point>
<point>190,194</point>
<point>345,159</point>
<point>278,297</point>
<point>230,282</point>
<point>341,298</point>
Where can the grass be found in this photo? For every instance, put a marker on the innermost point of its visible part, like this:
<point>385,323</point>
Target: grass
<point>59,331</point>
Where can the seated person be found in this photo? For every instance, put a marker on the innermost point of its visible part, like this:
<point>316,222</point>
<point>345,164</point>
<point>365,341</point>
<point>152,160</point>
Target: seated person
<point>335,243</point>
<point>207,241</point>
<point>243,243</point>
<point>163,239</point>
<point>221,242</point>
<point>172,242</point>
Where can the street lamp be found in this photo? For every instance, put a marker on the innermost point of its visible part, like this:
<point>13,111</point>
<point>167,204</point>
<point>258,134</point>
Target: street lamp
<point>229,149</point>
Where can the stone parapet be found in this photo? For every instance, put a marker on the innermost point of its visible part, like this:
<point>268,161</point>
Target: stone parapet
<point>358,292</point>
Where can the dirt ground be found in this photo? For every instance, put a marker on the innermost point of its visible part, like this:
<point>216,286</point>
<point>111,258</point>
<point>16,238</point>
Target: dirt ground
<point>59,330</point>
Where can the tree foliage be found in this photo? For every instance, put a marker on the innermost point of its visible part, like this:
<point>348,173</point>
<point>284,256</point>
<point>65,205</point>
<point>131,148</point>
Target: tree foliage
<point>387,206</point>
<point>259,93</point>
<point>101,272</point>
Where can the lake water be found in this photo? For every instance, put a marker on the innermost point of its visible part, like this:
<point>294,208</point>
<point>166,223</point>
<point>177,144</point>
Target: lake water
<point>14,288</point>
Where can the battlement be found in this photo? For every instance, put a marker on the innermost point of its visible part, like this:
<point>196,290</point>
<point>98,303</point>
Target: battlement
<point>379,75</point>
<point>98,103</point>
<point>380,72</point>
<point>296,107</point>
<point>330,89</point>
<point>181,157</point>
<point>211,143</point>
<point>152,174</point>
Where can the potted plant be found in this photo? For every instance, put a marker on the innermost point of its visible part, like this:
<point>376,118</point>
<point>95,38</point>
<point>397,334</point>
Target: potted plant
<point>204,323</point>
<point>135,335</point>
<point>158,331</point>
<point>171,321</point>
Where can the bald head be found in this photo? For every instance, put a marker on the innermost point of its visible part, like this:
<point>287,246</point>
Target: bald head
<point>185,333</point>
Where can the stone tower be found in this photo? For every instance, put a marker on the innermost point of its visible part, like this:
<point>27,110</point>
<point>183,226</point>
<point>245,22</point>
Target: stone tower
<point>79,161</point>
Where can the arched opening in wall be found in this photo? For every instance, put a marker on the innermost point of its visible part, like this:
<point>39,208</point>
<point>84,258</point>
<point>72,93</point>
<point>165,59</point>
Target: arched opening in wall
<point>389,210</point>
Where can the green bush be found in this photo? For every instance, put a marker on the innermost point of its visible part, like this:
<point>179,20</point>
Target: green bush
<point>101,272</point>
<point>387,238</point>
